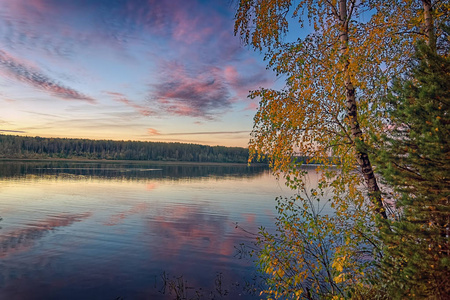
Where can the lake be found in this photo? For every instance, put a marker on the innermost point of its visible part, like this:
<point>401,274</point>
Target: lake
<point>103,230</point>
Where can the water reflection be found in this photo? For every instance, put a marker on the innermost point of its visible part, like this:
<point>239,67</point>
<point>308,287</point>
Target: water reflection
<point>134,170</point>
<point>193,229</point>
<point>104,231</point>
<point>24,238</point>
<point>118,218</point>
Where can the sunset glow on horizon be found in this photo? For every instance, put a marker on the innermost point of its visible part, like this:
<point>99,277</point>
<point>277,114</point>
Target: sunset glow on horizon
<point>145,70</point>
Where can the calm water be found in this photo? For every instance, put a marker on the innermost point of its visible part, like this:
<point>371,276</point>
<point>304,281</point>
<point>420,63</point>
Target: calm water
<point>137,231</point>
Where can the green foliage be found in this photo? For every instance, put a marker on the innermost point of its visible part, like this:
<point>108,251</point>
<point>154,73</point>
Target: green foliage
<point>38,147</point>
<point>335,81</point>
<point>316,253</point>
<point>297,258</point>
<point>414,158</point>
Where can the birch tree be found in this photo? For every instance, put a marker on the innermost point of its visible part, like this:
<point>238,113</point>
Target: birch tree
<point>335,77</point>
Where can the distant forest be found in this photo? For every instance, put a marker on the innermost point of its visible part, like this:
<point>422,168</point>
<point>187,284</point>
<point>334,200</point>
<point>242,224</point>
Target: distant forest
<point>12,146</point>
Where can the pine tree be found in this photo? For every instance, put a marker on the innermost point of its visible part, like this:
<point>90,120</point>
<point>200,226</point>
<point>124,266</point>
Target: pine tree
<point>415,161</point>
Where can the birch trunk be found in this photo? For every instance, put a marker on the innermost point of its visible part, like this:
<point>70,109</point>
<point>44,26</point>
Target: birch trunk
<point>429,26</point>
<point>352,115</point>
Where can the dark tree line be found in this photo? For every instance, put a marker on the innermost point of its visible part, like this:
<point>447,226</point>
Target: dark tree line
<point>38,147</point>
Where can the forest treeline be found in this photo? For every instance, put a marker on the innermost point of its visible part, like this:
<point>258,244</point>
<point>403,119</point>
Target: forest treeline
<point>12,146</point>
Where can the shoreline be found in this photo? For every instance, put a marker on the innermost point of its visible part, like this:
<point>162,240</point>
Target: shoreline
<point>155,162</point>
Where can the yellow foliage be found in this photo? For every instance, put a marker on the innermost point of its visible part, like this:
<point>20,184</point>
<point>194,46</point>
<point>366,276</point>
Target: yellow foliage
<point>338,264</point>
<point>340,278</point>
<point>352,52</point>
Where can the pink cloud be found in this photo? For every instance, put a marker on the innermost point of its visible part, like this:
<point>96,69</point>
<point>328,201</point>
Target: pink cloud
<point>252,106</point>
<point>231,74</point>
<point>119,97</point>
<point>153,131</point>
<point>20,70</point>
<point>184,93</point>
<point>203,92</point>
<point>243,82</point>
<point>184,21</point>
<point>26,9</point>
<point>191,29</point>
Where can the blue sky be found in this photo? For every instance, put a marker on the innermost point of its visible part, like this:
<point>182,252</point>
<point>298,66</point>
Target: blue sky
<point>127,70</point>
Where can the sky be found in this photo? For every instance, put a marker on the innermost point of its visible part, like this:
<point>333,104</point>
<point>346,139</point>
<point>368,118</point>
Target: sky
<point>148,70</point>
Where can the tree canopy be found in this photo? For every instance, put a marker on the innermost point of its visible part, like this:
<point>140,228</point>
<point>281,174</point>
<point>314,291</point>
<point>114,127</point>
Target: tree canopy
<point>332,105</point>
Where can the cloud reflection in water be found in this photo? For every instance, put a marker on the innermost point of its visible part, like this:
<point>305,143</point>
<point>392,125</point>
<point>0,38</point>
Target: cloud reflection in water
<point>23,239</point>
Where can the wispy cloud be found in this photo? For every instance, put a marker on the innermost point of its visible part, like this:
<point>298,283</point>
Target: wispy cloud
<point>185,93</point>
<point>200,132</point>
<point>17,131</point>
<point>244,81</point>
<point>153,131</point>
<point>205,91</point>
<point>143,110</point>
<point>43,114</point>
<point>252,106</point>
<point>37,79</point>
